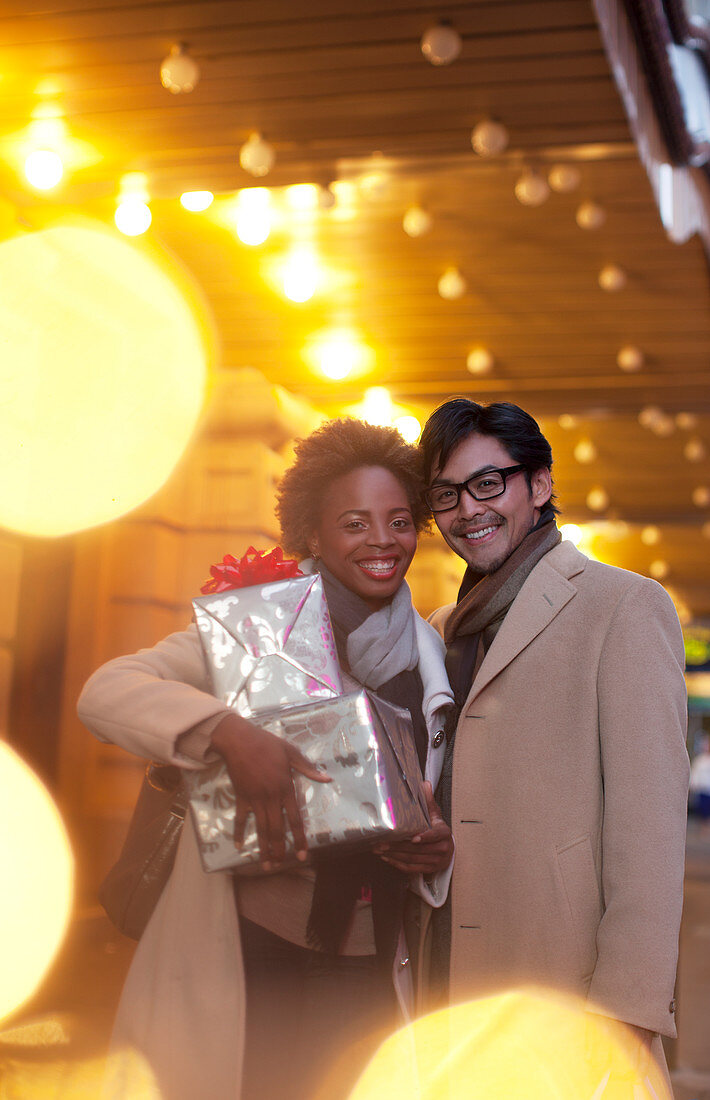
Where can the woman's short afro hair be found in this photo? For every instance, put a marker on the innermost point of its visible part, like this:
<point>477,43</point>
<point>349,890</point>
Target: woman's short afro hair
<point>333,450</point>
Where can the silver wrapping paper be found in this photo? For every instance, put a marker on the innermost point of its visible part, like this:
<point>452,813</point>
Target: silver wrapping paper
<point>366,747</point>
<point>269,646</point>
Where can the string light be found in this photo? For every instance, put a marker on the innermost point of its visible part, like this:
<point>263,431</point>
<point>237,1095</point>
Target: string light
<point>612,278</point>
<point>650,535</point>
<point>196,201</point>
<point>441,44</point>
<point>338,353</point>
<point>695,450</point>
<point>630,358</point>
<point>133,216</point>
<point>659,569</point>
<point>452,284</point>
<point>489,138</point>
<point>531,189</point>
<point>179,72</point>
<point>480,361</point>
<point>416,222</point>
<point>590,215</point>
<point>597,499</point>
<point>300,274</point>
<point>257,156</point>
<point>408,427</point>
<point>585,452</point>
<point>253,215</point>
<point>302,197</point>
<point>44,169</point>
<point>564,178</point>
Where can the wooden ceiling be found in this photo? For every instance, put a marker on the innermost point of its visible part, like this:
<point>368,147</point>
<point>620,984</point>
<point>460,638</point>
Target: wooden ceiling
<point>341,90</point>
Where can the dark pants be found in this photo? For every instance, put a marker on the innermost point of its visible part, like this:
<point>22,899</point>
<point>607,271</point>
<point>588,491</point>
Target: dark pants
<point>313,1020</point>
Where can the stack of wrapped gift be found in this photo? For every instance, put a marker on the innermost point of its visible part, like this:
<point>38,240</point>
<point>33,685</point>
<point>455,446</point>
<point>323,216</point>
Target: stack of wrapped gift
<point>269,646</point>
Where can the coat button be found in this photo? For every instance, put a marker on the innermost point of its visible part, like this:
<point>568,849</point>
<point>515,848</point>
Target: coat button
<point>437,738</point>
<point>671,1006</point>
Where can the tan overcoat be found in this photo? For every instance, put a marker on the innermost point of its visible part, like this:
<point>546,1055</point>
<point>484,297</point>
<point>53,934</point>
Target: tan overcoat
<point>569,795</point>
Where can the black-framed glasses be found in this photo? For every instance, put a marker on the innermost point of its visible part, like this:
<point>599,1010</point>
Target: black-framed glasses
<point>485,486</point>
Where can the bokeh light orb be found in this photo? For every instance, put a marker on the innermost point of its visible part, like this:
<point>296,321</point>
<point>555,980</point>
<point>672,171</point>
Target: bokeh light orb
<point>522,1045</point>
<point>44,169</point>
<point>37,875</point>
<point>102,371</point>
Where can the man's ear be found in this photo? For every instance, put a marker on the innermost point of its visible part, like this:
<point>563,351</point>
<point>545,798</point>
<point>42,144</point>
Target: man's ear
<point>314,546</point>
<point>541,486</point>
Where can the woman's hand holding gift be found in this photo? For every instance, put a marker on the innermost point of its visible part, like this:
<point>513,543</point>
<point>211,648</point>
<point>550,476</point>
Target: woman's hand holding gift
<point>261,766</point>
<point>428,852</point>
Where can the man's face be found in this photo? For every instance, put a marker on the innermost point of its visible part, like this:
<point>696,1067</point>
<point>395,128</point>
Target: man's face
<point>486,532</point>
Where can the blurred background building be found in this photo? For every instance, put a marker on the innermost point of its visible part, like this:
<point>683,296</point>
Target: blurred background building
<point>363,208</point>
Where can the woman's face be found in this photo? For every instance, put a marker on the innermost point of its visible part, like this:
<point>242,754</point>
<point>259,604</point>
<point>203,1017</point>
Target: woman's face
<point>366,535</point>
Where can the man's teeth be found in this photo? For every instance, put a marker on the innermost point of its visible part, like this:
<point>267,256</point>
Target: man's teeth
<point>479,534</point>
<point>378,566</point>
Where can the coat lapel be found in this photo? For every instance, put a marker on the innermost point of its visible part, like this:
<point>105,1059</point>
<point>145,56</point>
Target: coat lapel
<point>540,600</point>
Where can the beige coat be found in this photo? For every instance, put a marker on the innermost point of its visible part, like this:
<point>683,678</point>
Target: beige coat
<point>569,795</point>
<point>182,1005</point>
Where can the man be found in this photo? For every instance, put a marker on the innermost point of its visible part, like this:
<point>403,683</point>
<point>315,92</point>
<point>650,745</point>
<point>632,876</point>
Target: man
<point>565,780</point>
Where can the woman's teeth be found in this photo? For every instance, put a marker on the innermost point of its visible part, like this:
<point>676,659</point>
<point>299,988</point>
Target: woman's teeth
<point>479,534</point>
<point>381,566</point>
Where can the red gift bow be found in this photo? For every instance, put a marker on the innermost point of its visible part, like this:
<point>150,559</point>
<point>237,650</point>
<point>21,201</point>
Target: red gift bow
<point>254,567</point>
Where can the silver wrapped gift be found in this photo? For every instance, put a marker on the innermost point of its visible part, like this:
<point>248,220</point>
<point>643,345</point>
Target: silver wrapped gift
<point>367,748</point>
<point>269,646</point>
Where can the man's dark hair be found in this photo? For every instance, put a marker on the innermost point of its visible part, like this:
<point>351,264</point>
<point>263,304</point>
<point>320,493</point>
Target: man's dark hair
<point>335,449</point>
<point>455,420</point>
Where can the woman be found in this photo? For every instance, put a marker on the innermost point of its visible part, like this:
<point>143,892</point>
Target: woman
<point>313,949</point>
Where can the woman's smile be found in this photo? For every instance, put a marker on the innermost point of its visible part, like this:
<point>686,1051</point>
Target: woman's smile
<point>366,535</point>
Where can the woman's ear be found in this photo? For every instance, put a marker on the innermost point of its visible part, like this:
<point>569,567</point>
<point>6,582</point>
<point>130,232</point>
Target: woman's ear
<point>314,547</point>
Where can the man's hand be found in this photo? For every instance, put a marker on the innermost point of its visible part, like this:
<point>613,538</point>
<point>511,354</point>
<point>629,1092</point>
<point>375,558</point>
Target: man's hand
<point>261,766</point>
<point>427,853</point>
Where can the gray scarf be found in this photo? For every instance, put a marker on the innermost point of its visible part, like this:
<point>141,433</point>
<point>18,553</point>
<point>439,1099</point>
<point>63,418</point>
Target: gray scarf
<point>381,645</point>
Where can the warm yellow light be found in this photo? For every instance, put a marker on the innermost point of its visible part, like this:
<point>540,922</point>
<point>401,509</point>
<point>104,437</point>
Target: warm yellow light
<point>650,535</point>
<point>102,374</point>
<point>196,201</point>
<point>585,451</point>
<point>133,217</point>
<point>526,1045</point>
<point>44,169</point>
<point>377,406</point>
<point>302,196</point>
<point>37,874</point>
<point>408,427</point>
<point>572,532</point>
<point>338,353</point>
<point>253,215</point>
<point>124,1073</point>
<point>300,275</point>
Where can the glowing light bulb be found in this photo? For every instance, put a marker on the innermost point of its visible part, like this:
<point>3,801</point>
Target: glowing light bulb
<point>408,427</point>
<point>452,284</point>
<point>612,278</point>
<point>300,275</point>
<point>253,215</point>
<point>630,358</point>
<point>567,422</point>
<point>532,189</point>
<point>585,452</point>
<point>441,44</point>
<point>659,569</point>
<point>564,178</point>
<point>686,421</point>
<point>590,215</point>
<point>480,361</point>
<point>377,406</point>
<point>701,496</point>
<point>132,217</point>
<point>489,138</point>
<point>651,535</point>
<point>572,532</point>
<point>597,499</point>
<point>179,72</point>
<point>302,196</point>
<point>44,169</point>
<point>196,201</point>
<point>337,353</point>
<point>416,222</point>
<point>257,156</point>
<point>36,869</point>
<point>695,450</point>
